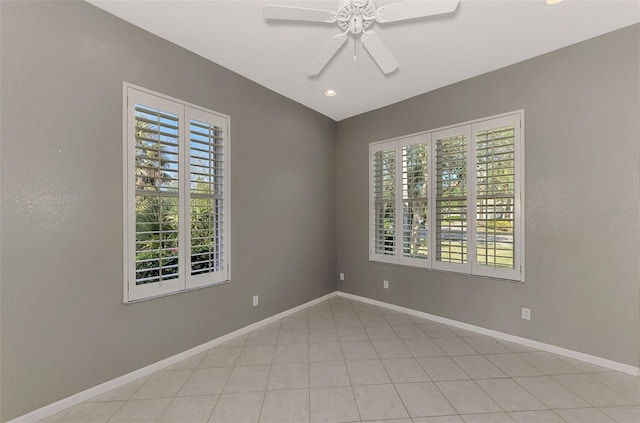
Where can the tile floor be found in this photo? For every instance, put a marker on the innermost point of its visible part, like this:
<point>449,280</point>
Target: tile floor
<point>346,361</point>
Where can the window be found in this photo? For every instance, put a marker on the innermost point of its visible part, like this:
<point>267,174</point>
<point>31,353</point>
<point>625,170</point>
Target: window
<point>176,196</point>
<point>451,199</point>
<point>384,198</point>
<point>415,201</point>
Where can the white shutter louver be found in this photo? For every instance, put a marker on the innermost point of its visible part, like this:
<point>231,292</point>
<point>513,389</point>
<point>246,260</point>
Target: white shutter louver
<point>384,198</point>
<point>156,195</point>
<point>451,199</point>
<point>415,201</point>
<point>206,197</point>
<point>497,188</point>
<point>495,197</point>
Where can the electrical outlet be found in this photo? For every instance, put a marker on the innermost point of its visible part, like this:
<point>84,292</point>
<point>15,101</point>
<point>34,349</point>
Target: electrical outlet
<point>255,300</point>
<point>385,284</point>
<point>526,313</point>
<point>341,276</point>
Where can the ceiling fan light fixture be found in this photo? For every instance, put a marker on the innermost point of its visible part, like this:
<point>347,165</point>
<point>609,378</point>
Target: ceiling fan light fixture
<point>355,17</point>
<point>553,2</point>
<point>330,93</point>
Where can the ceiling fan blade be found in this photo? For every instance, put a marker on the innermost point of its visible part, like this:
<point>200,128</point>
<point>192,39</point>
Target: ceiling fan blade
<point>412,9</point>
<point>326,54</point>
<point>379,52</point>
<point>273,11</point>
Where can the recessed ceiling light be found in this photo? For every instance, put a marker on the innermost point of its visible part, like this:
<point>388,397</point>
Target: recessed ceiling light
<point>552,2</point>
<point>330,93</point>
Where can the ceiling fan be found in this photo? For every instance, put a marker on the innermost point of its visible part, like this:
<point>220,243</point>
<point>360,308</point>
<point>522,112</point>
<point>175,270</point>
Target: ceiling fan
<point>355,17</point>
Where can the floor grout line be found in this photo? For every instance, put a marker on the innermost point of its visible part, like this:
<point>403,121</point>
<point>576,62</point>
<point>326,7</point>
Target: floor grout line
<point>321,327</point>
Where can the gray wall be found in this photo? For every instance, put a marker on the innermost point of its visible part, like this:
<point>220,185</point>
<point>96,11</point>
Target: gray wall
<point>64,326</point>
<point>582,195</point>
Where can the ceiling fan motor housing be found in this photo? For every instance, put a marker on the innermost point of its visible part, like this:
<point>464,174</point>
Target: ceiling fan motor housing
<point>355,15</point>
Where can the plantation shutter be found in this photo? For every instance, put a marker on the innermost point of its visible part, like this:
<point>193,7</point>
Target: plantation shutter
<point>450,212</point>
<point>383,221</point>
<point>207,203</point>
<point>451,199</point>
<point>497,197</point>
<point>414,202</point>
<point>177,196</point>
<point>155,136</point>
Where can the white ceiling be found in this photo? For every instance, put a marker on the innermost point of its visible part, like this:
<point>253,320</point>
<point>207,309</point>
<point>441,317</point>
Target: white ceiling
<point>480,36</point>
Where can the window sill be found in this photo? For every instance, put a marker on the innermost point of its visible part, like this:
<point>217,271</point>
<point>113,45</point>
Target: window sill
<point>139,300</point>
<point>518,281</point>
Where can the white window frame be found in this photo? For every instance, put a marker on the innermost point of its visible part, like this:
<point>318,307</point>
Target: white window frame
<point>469,129</point>
<point>185,112</point>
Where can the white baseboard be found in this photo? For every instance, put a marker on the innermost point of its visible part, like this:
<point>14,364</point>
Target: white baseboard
<point>592,359</point>
<point>85,395</point>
